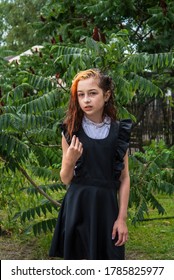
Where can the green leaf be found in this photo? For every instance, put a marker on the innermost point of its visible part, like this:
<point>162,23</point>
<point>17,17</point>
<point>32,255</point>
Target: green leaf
<point>44,226</point>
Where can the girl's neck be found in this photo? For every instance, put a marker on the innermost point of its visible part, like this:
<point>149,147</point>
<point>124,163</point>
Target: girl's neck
<point>95,119</point>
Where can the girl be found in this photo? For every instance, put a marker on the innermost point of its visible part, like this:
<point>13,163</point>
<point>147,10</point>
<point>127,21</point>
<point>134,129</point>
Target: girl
<point>92,223</point>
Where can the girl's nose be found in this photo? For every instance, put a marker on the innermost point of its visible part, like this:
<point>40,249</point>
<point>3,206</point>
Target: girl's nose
<point>87,99</point>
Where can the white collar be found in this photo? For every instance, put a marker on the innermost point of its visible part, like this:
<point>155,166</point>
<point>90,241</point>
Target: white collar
<point>107,120</point>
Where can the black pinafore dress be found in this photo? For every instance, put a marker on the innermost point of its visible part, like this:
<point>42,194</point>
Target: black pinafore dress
<point>90,207</point>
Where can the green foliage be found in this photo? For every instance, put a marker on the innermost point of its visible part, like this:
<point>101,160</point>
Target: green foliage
<point>34,107</point>
<point>38,214</point>
<point>39,217</point>
<point>18,20</point>
<point>151,173</point>
<point>127,68</point>
<point>34,91</point>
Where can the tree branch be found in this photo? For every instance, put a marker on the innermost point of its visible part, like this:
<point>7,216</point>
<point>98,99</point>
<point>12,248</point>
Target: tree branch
<point>23,171</point>
<point>40,145</point>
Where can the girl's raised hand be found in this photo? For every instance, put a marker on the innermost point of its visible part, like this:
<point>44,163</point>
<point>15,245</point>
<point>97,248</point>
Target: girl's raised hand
<point>74,151</point>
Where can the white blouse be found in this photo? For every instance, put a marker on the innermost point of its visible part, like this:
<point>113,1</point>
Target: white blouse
<point>96,130</point>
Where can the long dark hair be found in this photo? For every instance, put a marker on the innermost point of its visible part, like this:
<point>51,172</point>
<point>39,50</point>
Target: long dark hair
<point>75,114</point>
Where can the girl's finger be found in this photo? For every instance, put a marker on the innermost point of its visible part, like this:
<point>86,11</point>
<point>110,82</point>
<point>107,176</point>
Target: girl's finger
<point>122,240</point>
<point>73,141</point>
<point>80,145</point>
<point>114,230</point>
<point>77,143</point>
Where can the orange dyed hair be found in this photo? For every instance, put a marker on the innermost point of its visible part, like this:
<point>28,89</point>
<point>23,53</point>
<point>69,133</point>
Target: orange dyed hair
<point>75,114</point>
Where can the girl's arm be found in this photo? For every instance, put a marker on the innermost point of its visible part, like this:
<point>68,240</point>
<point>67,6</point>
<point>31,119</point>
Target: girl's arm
<point>71,153</point>
<point>120,226</point>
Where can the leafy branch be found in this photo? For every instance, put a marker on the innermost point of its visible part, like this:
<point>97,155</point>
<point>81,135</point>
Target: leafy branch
<point>24,172</point>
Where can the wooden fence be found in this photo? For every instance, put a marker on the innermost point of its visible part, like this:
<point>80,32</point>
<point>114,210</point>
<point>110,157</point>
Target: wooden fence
<point>155,121</point>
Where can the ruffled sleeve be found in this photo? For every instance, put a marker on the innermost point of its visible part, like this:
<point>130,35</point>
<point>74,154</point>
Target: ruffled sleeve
<point>64,132</point>
<point>122,142</point>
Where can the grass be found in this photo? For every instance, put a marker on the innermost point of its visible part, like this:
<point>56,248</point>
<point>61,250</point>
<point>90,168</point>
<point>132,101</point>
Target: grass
<point>148,240</point>
<point>153,238</point>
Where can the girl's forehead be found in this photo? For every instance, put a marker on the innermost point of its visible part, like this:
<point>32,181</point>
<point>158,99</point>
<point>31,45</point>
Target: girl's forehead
<point>88,82</point>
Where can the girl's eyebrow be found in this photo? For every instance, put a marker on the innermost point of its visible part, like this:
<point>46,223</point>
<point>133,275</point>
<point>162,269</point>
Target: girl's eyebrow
<point>88,90</point>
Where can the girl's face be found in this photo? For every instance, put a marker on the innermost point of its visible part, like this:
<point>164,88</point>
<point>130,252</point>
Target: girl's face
<point>92,99</point>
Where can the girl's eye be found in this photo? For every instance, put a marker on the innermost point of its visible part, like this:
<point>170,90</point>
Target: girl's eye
<point>93,92</point>
<point>80,94</point>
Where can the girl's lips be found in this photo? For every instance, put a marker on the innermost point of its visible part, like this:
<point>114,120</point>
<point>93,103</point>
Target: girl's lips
<point>88,108</point>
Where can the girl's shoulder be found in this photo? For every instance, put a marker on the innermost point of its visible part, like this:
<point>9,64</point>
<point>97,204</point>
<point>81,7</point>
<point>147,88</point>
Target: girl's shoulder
<point>123,126</point>
<point>124,133</point>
